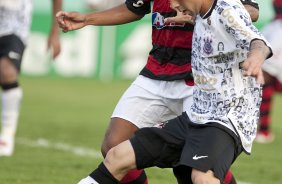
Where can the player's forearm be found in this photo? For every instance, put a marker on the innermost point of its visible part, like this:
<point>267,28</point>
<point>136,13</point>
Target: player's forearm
<point>57,6</point>
<point>114,16</point>
<point>259,48</point>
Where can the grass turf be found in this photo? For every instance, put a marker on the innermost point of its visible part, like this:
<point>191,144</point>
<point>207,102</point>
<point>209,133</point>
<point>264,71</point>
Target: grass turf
<point>76,112</point>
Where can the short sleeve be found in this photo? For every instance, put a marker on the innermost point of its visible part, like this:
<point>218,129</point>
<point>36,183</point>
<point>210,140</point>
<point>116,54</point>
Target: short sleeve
<point>139,7</point>
<point>252,3</point>
<point>237,22</point>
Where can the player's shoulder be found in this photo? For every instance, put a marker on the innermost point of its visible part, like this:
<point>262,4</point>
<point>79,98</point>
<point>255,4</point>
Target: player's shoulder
<point>228,3</point>
<point>234,7</point>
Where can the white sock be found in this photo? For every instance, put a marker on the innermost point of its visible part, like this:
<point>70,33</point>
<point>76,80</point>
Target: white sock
<point>11,100</point>
<point>88,180</point>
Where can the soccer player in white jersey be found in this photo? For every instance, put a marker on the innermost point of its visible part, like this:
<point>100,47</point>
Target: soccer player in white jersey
<point>15,20</point>
<point>204,141</point>
<point>161,89</point>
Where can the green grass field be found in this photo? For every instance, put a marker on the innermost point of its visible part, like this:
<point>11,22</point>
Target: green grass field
<point>62,124</point>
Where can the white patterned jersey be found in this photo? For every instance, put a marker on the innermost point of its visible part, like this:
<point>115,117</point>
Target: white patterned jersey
<point>222,94</point>
<point>15,17</point>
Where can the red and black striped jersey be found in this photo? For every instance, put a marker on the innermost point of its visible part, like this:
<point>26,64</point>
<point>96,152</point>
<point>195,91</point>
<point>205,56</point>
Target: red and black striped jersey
<point>170,57</point>
<point>277,5</point>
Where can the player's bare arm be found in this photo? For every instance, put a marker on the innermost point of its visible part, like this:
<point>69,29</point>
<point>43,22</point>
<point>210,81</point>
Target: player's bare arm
<point>259,52</point>
<point>53,39</point>
<point>69,21</point>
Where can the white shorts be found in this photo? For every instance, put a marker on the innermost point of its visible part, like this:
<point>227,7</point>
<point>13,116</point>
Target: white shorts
<point>148,102</point>
<point>273,65</point>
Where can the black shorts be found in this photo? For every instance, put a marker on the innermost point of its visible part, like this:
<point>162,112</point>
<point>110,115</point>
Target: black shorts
<point>181,143</point>
<point>11,46</point>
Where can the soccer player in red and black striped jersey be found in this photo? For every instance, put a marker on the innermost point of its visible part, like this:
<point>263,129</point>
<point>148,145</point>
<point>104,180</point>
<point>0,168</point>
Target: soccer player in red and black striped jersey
<point>273,76</point>
<point>164,86</point>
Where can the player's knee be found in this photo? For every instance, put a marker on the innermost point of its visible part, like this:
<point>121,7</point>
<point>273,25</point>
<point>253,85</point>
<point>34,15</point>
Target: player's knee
<point>111,157</point>
<point>114,155</point>
<point>118,159</point>
<point>199,177</point>
<point>118,131</point>
<point>8,71</point>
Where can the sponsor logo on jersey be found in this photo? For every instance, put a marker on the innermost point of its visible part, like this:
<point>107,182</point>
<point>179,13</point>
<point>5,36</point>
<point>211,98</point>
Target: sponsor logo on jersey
<point>158,21</point>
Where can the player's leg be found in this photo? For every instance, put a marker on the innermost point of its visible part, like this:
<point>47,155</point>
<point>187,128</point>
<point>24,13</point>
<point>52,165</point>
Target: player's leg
<point>209,152</point>
<point>149,147</point>
<point>10,60</point>
<point>137,108</point>
<point>264,134</point>
<point>119,160</point>
<point>118,131</point>
<point>272,71</point>
<point>181,172</point>
<point>183,177</point>
<point>229,178</point>
<point>121,128</point>
<point>199,177</point>
<point>278,86</point>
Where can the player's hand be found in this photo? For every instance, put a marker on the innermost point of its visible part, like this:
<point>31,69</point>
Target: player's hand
<point>69,21</point>
<point>253,71</point>
<point>253,67</point>
<point>182,17</point>
<point>53,44</point>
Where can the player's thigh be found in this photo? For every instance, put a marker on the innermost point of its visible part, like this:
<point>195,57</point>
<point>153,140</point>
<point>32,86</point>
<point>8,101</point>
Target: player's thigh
<point>160,146</point>
<point>188,100</point>
<point>210,148</point>
<point>118,131</point>
<point>155,147</point>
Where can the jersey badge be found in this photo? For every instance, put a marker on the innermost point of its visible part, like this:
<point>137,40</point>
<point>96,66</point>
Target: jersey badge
<point>208,46</point>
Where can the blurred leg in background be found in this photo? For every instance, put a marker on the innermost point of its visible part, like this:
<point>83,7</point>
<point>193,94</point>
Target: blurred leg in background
<point>272,72</point>
<point>15,21</point>
<point>10,59</point>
